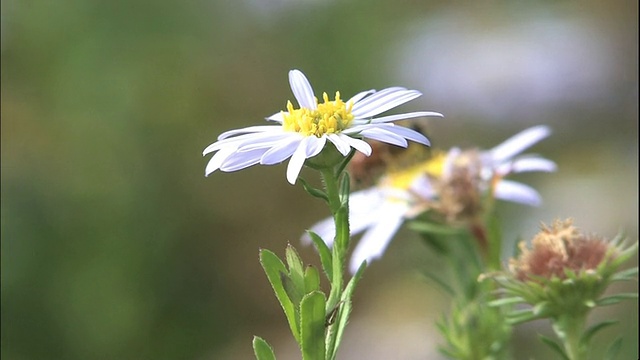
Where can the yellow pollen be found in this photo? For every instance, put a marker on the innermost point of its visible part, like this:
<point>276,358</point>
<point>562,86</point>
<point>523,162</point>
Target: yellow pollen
<point>329,117</point>
<point>403,179</point>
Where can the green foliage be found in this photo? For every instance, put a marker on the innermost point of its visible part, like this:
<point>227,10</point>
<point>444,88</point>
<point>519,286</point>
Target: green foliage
<point>276,272</point>
<point>557,348</point>
<point>262,349</point>
<point>325,254</point>
<point>312,326</point>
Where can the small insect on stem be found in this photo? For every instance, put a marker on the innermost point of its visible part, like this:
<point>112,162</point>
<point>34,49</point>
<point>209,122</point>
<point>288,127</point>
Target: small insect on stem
<point>333,314</point>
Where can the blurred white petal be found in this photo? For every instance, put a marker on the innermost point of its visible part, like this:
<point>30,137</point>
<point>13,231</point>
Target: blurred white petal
<point>518,143</point>
<point>516,192</point>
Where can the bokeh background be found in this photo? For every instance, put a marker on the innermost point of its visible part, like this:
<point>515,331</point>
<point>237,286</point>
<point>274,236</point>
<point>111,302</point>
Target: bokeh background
<point>115,245</point>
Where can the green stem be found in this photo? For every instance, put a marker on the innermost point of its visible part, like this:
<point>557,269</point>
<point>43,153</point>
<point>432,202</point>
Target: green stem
<point>339,250</point>
<point>569,329</point>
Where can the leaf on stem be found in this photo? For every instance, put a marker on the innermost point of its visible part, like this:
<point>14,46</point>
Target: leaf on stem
<point>311,279</point>
<point>345,310</point>
<point>325,254</point>
<point>313,191</point>
<point>273,268</point>
<point>262,349</point>
<point>554,346</point>
<point>312,329</point>
<point>586,337</point>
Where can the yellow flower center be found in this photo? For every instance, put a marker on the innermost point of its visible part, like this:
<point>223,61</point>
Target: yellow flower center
<point>328,118</point>
<point>404,178</point>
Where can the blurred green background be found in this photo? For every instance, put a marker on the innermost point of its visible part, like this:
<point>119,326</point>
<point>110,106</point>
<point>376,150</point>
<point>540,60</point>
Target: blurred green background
<point>115,245</point>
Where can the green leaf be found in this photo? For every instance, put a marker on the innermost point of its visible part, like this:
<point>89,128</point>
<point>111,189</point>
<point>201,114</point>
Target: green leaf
<point>614,299</point>
<point>262,349</point>
<point>586,337</point>
<point>444,284</point>
<point>432,228</point>
<point>345,191</point>
<point>613,350</point>
<point>311,279</point>
<point>345,311</point>
<point>313,191</point>
<point>312,317</point>
<point>506,301</point>
<point>294,293</point>
<point>325,254</point>
<point>344,163</point>
<point>554,346</point>
<point>273,267</point>
<point>341,242</point>
<point>296,268</point>
<point>625,275</point>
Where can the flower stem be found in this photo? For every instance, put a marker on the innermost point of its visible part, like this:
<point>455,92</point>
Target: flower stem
<point>569,329</point>
<point>340,212</point>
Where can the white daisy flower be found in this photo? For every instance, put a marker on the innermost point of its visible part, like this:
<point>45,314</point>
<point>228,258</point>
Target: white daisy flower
<point>378,212</point>
<point>302,133</point>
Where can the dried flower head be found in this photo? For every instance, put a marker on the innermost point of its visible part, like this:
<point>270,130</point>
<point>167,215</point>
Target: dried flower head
<point>460,188</point>
<point>558,248</point>
<point>565,273</point>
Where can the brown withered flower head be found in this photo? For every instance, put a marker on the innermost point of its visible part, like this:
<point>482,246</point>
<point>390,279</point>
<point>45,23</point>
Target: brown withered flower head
<point>558,248</point>
<point>461,187</point>
<point>565,274</point>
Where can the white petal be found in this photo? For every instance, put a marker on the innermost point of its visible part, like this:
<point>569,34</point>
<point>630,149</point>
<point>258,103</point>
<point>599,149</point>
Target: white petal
<point>357,144</point>
<point>244,139</point>
<point>410,115</point>
<point>342,146</point>
<point>527,164</point>
<point>384,135</point>
<point>516,192</point>
<point>282,151</point>
<point>269,141</point>
<point>357,97</point>
<point>382,101</point>
<point>422,187</point>
<point>278,117</point>
<point>217,160</point>
<point>408,134</point>
<point>518,143</point>
<point>364,205</point>
<point>241,160</point>
<point>375,240</point>
<point>250,129</point>
<point>310,146</point>
<point>301,89</point>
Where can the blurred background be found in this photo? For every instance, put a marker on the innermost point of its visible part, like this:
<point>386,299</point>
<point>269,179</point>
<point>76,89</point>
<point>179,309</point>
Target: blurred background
<point>115,245</point>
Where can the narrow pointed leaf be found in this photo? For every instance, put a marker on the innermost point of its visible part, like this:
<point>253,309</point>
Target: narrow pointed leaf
<point>294,292</point>
<point>345,311</point>
<point>506,301</point>
<point>273,267</point>
<point>313,191</point>
<point>325,254</point>
<point>614,299</point>
<point>296,268</point>
<point>345,162</point>
<point>554,346</point>
<point>586,337</point>
<point>312,318</point>
<point>431,228</point>
<point>613,350</point>
<point>311,279</point>
<point>262,349</point>
<point>345,182</point>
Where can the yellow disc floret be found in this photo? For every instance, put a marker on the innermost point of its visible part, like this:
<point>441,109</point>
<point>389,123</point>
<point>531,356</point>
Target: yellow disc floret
<point>329,117</point>
<point>404,178</point>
